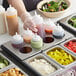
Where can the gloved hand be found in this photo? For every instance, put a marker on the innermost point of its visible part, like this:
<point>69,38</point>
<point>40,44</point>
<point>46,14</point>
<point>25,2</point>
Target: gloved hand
<point>28,22</point>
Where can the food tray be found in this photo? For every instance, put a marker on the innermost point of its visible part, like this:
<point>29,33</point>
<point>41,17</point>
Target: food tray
<point>63,66</point>
<point>68,26</point>
<point>41,56</point>
<point>64,71</point>
<point>16,53</point>
<point>62,44</point>
<point>10,63</point>
<point>12,66</point>
<point>57,41</point>
<point>23,56</point>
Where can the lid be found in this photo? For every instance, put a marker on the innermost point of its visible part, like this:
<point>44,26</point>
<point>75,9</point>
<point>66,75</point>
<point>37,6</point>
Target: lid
<point>58,30</point>
<point>2,9</point>
<point>49,22</point>
<point>17,38</point>
<point>37,19</point>
<point>36,38</point>
<point>11,10</point>
<point>28,32</point>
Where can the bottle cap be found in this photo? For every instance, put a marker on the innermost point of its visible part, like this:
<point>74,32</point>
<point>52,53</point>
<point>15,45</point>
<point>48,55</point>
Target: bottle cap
<point>28,32</point>
<point>36,38</point>
<point>37,19</point>
<point>58,30</point>
<point>16,39</point>
<point>49,22</point>
<point>11,11</point>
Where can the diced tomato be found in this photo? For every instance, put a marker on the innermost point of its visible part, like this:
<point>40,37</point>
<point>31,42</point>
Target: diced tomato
<point>49,4</point>
<point>66,45</point>
<point>70,42</point>
<point>71,46</point>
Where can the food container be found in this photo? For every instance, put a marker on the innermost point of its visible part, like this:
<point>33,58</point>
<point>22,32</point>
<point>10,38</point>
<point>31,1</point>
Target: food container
<point>69,49</point>
<point>12,67</point>
<point>3,26</point>
<point>64,22</point>
<point>70,71</point>
<point>27,35</point>
<point>41,56</point>
<point>53,14</point>
<point>58,56</point>
<point>70,26</point>
<point>56,41</point>
<point>12,20</point>
<point>49,26</point>
<point>58,32</point>
<point>37,42</point>
<point>17,41</point>
<point>39,24</point>
<point>18,53</point>
<point>5,61</point>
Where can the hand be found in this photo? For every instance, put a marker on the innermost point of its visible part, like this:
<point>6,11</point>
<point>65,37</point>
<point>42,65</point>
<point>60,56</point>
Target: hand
<point>28,22</point>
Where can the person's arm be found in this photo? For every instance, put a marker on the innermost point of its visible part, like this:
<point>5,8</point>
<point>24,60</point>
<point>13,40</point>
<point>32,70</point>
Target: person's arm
<point>22,12</point>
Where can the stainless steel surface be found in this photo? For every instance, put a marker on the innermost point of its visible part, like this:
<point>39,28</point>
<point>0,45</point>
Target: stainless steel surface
<point>10,63</point>
<point>20,55</point>
<point>63,66</point>
<point>65,70</point>
<point>65,20</point>
<point>23,56</point>
<point>10,67</point>
<point>62,44</point>
<point>41,56</point>
<point>57,41</point>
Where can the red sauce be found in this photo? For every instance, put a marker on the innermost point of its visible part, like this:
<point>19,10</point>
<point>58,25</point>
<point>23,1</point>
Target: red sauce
<point>71,45</point>
<point>48,40</point>
<point>26,49</point>
<point>48,31</point>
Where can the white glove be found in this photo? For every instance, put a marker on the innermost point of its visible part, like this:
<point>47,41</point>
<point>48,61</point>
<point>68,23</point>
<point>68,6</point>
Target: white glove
<point>28,22</point>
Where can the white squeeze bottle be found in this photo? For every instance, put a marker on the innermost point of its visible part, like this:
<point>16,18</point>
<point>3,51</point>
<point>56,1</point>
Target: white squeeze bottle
<point>2,20</point>
<point>17,41</point>
<point>49,26</point>
<point>12,20</point>
<point>39,24</point>
<point>27,35</point>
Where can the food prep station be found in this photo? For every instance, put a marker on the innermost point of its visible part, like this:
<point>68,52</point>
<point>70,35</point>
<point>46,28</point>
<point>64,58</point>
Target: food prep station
<point>54,58</point>
<point>26,58</point>
<point>23,56</point>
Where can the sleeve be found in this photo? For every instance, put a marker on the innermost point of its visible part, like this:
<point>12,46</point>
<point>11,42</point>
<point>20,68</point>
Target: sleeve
<point>31,4</point>
<point>5,4</point>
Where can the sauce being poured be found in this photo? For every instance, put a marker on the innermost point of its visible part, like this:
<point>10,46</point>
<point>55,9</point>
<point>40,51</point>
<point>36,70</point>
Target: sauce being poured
<point>26,49</point>
<point>48,40</point>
